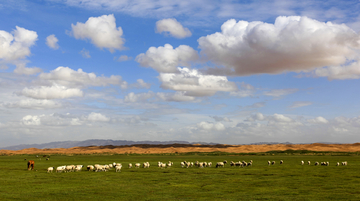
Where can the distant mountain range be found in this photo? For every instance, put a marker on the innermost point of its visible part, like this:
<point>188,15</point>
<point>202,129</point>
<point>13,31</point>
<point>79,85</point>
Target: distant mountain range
<point>94,142</point>
<point>98,142</point>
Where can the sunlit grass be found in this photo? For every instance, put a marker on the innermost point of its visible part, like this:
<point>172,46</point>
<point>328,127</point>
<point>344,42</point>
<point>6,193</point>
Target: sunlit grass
<point>290,181</point>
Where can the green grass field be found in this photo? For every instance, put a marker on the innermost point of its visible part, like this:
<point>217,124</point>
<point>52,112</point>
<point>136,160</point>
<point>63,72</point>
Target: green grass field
<point>289,181</point>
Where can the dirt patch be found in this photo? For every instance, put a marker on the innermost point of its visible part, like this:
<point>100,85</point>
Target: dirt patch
<point>184,148</point>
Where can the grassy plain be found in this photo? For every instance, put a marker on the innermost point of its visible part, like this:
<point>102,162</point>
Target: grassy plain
<point>289,181</point>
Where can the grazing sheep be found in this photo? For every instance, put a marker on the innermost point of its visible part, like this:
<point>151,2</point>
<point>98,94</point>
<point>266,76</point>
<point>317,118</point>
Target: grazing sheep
<point>209,164</point>
<point>130,165</point>
<point>302,162</point>
<point>269,162</point>
<point>60,168</point>
<point>337,164</point>
<point>316,163</point>
<point>137,165</point>
<point>90,167</point>
<point>344,163</point>
<point>281,162</point>
<point>273,163</point>
<point>309,162</point>
<point>50,169</point>
<point>249,164</point>
<point>118,168</point>
<point>240,164</point>
<point>232,163</point>
<point>70,168</point>
<point>220,164</point>
<point>182,164</point>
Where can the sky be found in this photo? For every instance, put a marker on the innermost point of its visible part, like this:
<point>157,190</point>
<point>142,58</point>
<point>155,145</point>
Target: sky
<point>231,72</point>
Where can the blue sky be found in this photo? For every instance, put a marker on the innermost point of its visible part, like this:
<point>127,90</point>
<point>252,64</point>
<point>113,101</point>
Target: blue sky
<point>232,72</point>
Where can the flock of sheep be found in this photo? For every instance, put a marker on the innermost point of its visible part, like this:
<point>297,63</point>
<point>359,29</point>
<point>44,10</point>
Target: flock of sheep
<point>184,164</point>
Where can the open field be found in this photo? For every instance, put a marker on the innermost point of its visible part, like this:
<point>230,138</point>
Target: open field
<point>289,181</point>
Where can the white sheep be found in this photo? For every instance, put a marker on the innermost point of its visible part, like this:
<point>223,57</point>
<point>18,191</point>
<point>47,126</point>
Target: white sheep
<point>50,169</point>
<point>220,164</point>
<point>273,163</point>
<point>316,163</point>
<point>60,168</point>
<point>309,162</point>
<point>137,165</point>
<point>90,167</point>
<point>337,164</point>
<point>130,165</point>
<point>302,162</point>
<point>269,162</point>
<point>281,162</point>
<point>209,164</point>
<point>118,168</point>
<point>182,164</point>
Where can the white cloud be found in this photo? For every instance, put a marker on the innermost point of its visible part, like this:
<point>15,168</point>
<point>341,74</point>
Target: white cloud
<point>33,104</point>
<point>172,27</point>
<point>211,126</point>
<point>101,31</point>
<point>17,45</point>
<point>318,120</point>
<point>195,83</point>
<point>132,97</point>
<point>68,77</point>
<point>350,71</point>
<point>175,97</point>
<point>166,59</point>
<point>51,41</point>
<point>22,69</point>
<point>279,118</point>
<point>85,53</point>
<point>290,44</point>
<point>280,92</point>
<point>297,104</point>
<point>141,84</point>
<point>98,117</point>
<point>29,120</point>
<point>52,92</point>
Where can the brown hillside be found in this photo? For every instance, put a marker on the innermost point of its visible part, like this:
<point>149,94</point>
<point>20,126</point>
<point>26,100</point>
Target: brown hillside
<point>183,148</point>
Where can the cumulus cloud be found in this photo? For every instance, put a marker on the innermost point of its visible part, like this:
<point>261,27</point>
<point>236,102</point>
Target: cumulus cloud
<point>51,41</point>
<point>321,120</point>
<point>132,97</point>
<point>141,84</point>
<point>16,45</point>
<point>297,104</point>
<point>210,126</point>
<point>29,120</point>
<point>290,44</point>
<point>22,69</point>
<point>351,71</point>
<point>52,92</point>
<point>66,76</point>
<point>98,117</point>
<point>166,59</point>
<point>175,97</point>
<point>195,83</point>
<point>101,31</point>
<point>280,92</point>
<point>172,27</point>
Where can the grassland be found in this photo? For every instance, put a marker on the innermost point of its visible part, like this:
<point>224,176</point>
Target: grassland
<point>289,181</point>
